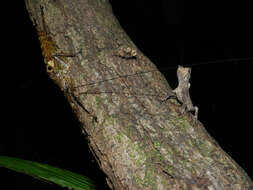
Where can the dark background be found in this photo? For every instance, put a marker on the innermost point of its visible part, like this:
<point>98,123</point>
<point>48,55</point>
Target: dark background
<point>37,122</point>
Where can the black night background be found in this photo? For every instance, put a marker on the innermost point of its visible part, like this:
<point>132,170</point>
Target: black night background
<point>211,37</point>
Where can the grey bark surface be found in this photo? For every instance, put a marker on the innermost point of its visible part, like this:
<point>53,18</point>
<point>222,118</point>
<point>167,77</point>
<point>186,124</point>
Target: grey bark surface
<point>139,140</point>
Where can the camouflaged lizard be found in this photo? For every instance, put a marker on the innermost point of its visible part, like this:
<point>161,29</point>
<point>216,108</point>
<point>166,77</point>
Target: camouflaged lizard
<point>182,90</point>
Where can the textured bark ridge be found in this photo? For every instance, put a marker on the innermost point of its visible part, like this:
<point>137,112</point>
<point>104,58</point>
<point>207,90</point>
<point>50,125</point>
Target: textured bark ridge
<point>139,140</point>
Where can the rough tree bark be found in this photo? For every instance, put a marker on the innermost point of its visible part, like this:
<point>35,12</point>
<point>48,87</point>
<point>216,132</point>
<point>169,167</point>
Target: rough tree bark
<point>139,141</point>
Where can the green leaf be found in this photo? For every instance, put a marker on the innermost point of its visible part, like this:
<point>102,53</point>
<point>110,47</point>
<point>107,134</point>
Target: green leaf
<point>48,173</point>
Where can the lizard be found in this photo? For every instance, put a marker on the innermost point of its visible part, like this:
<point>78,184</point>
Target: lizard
<point>182,90</point>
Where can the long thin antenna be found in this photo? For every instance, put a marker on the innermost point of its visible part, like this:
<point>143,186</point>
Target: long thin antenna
<point>221,61</point>
<point>169,68</point>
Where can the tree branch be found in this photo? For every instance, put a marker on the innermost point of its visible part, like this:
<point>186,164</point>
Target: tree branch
<point>139,140</point>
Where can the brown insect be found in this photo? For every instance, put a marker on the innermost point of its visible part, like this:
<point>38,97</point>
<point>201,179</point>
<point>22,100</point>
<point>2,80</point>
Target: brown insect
<point>52,58</point>
<point>47,44</point>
